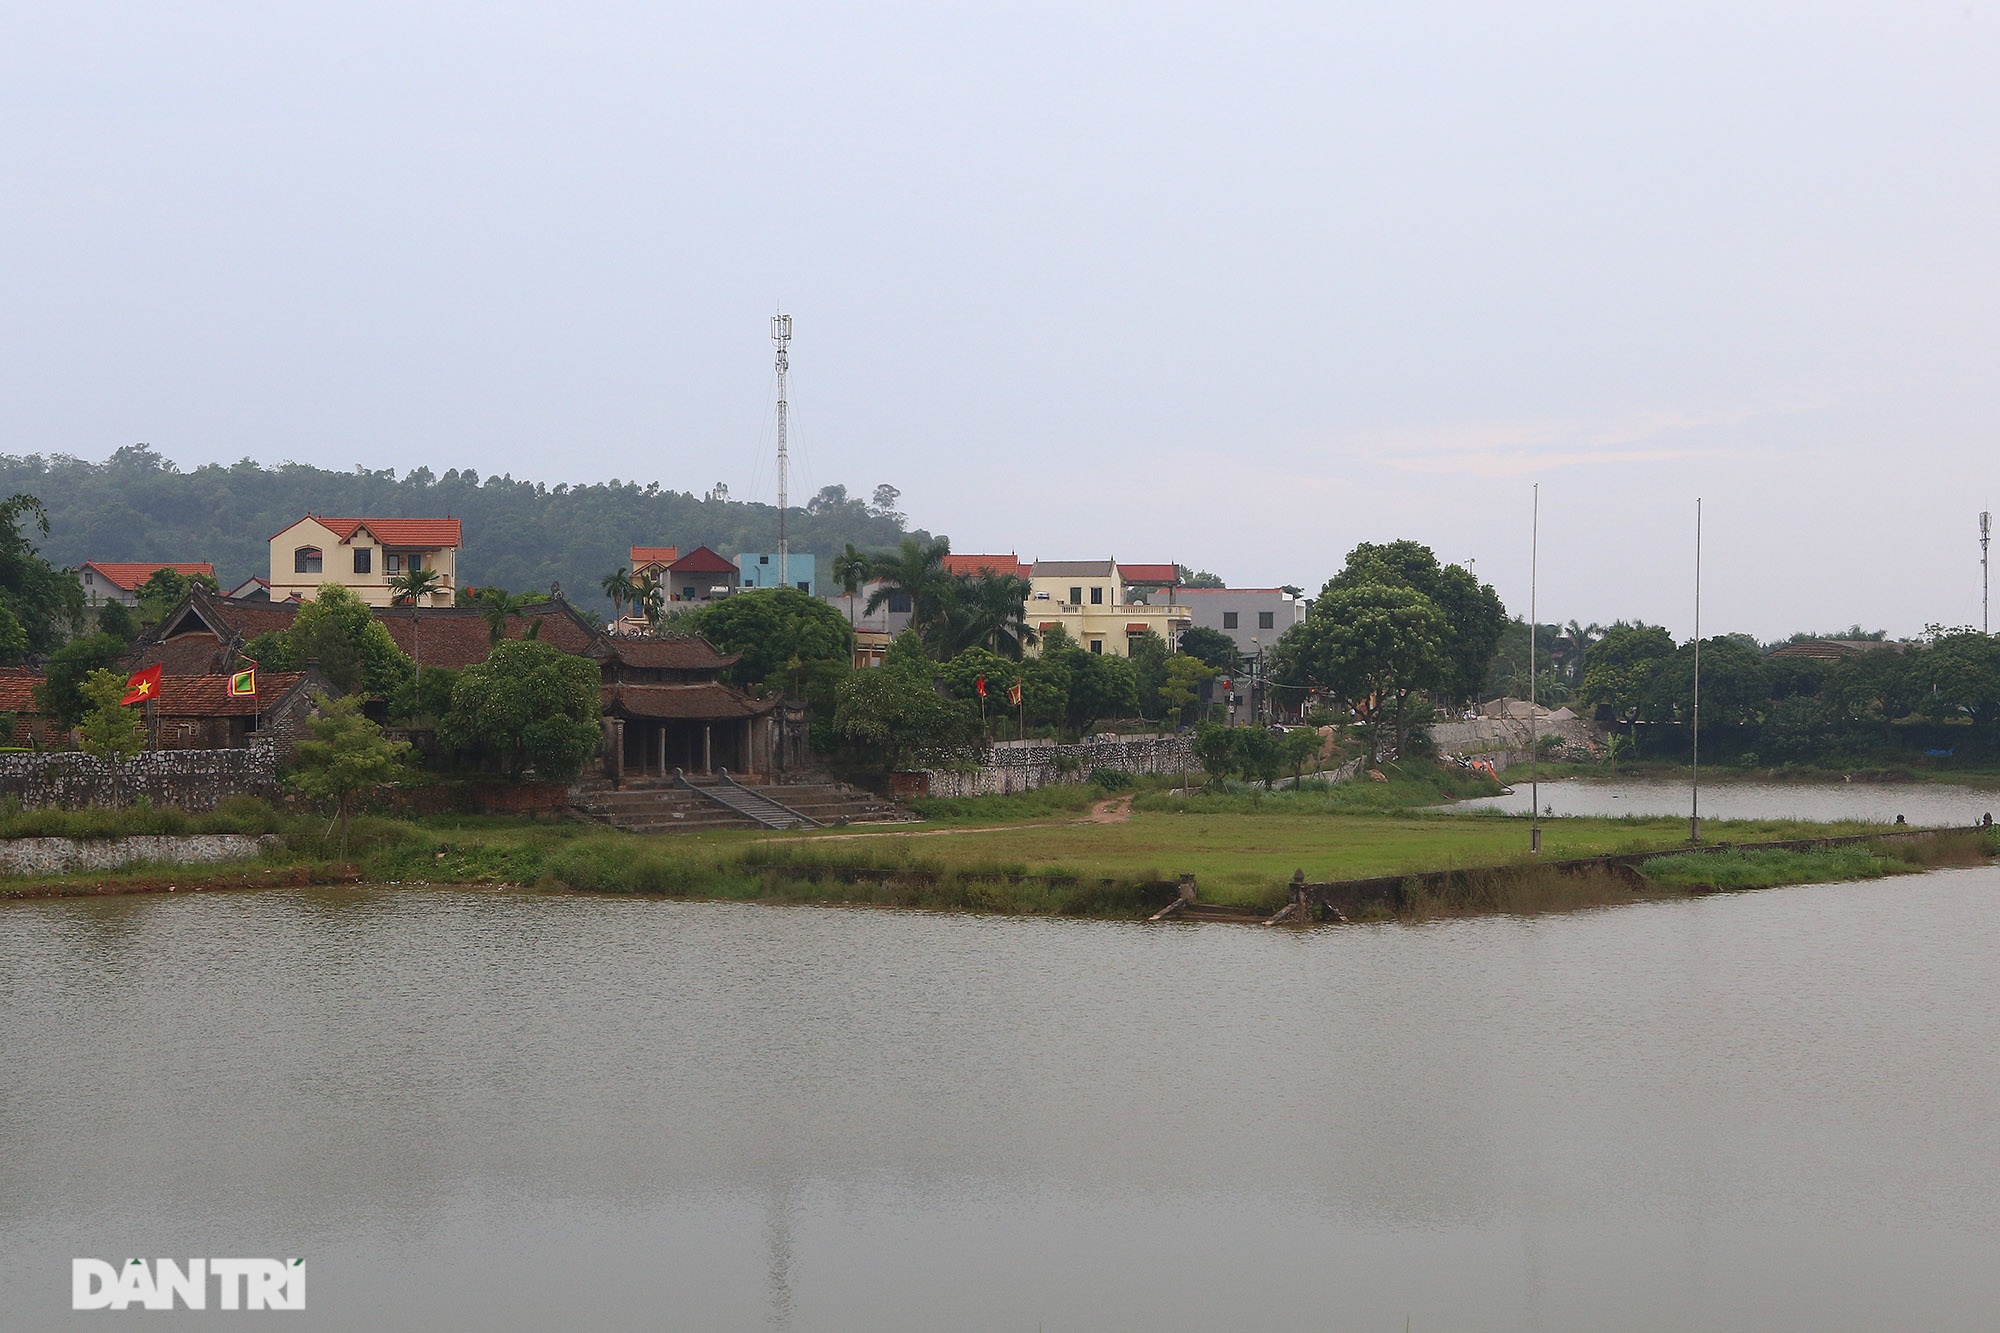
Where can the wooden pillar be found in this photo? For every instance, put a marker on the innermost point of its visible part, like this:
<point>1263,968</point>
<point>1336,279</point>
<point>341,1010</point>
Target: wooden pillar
<point>662,747</point>
<point>707,749</point>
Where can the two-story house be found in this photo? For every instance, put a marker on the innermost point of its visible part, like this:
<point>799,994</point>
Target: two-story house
<point>119,580</point>
<point>1253,617</point>
<point>1090,600</point>
<point>362,555</point>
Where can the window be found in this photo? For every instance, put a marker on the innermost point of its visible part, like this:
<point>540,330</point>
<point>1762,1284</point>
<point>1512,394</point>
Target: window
<point>1075,595</point>
<point>1266,619</point>
<point>763,559</point>
<point>899,603</point>
<point>688,592</point>
<point>305,560</point>
<point>392,564</point>
<point>804,585</point>
<point>1229,620</point>
<point>749,583</point>
<point>415,561</point>
<point>1097,646</point>
<point>364,560</point>
<point>1097,597</point>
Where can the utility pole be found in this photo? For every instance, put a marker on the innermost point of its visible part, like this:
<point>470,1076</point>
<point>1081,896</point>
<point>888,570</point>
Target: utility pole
<point>781,334</point>
<point>1694,812</point>
<point>1534,721</point>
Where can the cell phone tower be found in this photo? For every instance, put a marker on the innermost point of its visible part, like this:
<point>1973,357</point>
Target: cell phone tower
<point>781,334</point>
<point>1985,539</point>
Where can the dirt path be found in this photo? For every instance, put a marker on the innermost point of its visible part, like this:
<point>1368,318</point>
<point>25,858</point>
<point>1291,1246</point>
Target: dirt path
<point>1112,810</point>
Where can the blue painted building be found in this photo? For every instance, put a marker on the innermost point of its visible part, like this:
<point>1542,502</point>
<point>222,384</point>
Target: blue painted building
<point>760,570</point>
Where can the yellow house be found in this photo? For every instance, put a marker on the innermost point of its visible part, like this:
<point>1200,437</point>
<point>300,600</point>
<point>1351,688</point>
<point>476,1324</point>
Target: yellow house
<point>1090,599</point>
<point>362,555</point>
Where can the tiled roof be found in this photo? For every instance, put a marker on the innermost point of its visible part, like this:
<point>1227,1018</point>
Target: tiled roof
<point>208,696</point>
<point>428,534</point>
<point>1269,592</point>
<point>701,560</point>
<point>17,689</point>
<point>1073,569</point>
<point>701,702</point>
<point>458,636</point>
<point>688,653</point>
<point>129,574</point>
<point>655,555</point>
<point>1153,575</point>
<point>987,564</point>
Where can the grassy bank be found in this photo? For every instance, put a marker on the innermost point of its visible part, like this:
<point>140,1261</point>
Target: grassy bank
<point>1242,846</point>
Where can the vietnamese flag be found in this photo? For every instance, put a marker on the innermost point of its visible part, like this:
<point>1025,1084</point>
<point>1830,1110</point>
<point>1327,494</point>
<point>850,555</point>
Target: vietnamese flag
<point>142,686</point>
<point>981,683</point>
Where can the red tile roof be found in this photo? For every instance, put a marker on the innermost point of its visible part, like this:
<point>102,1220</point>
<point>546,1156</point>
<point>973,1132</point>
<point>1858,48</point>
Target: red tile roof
<point>428,534</point>
<point>458,636</point>
<point>987,564</point>
<point>129,574</point>
<point>17,689</point>
<point>698,702</point>
<point>655,555</point>
<point>209,696</point>
<point>1157,576</point>
<point>701,560</point>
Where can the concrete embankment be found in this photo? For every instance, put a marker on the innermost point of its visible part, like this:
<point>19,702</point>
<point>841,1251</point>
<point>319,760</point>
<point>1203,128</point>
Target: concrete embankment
<point>67,856</point>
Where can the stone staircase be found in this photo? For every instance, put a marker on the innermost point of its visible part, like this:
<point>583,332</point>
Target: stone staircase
<point>660,805</point>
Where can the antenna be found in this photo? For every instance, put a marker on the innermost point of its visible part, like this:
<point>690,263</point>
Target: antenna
<point>781,334</point>
<point>1985,537</point>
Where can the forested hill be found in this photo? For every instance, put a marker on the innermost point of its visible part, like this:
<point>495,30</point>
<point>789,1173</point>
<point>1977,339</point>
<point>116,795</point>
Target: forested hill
<point>520,535</point>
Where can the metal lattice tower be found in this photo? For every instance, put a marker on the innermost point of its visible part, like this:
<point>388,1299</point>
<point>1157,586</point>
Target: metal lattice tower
<point>781,334</point>
<point>1985,538</point>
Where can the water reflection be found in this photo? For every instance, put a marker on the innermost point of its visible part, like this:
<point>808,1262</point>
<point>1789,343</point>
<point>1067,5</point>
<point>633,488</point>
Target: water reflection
<point>498,1110</point>
<point>1930,805</point>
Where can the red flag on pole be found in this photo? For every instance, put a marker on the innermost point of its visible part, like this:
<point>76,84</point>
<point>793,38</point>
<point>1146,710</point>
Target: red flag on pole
<point>141,686</point>
<point>981,684</point>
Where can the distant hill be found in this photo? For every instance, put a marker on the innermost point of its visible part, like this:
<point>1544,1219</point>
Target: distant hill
<point>520,535</point>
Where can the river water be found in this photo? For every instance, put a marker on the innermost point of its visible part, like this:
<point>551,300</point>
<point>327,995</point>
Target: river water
<point>502,1110</point>
<point>1932,805</point>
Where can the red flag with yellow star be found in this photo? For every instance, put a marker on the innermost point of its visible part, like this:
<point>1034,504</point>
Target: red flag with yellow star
<point>142,685</point>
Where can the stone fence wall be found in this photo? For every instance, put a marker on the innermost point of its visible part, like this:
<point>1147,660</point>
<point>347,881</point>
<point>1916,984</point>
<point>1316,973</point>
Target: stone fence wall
<point>61,856</point>
<point>1505,740</point>
<point>188,779</point>
<point>1012,766</point>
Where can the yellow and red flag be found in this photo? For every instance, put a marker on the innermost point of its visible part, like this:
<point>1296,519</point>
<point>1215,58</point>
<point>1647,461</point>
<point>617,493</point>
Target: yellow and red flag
<point>1014,694</point>
<point>243,683</point>
<point>141,686</point>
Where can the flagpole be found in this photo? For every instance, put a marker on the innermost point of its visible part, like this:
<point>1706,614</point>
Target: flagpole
<point>1534,748</point>
<point>1694,812</point>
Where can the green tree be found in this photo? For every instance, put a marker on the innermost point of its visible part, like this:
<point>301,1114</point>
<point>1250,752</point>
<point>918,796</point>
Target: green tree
<point>851,569</point>
<point>109,730</point>
<point>1198,578</point>
<point>1211,646</point>
<point>411,588</point>
<point>339,631</point>
<point>60,695</point>
<point>1960,672</point>
<point>528,704</point>
<point>1180,686</point>
<point>343,754</point>
<point>164,590</point>
<point>617,585</point>
<point>116,619</point>
<point>44,599</point>
<point>1148,654</point>
<point>1622,666</point>
<point>961,676</point>
<point>425,696</point>
<point>1100,686</point>
<point>916,570</point>
<point>1473,615</point>
<point>1372,645</point>
<point>1301,746</point>
<point>895,713</point>
<point>1220,750</point>
<point>992,612</point>
<point>775,632</point>
<point>1262,753</point>
<point>1735,685</point>
<point>13,638</point>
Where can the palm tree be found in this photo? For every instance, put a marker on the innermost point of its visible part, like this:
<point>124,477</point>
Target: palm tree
<point>618,586</point>
<point>498,605</point>
<point>995,612</point>
<point>850,570</point>
<point>916,571</point>
<point>649,598</point>
<point>413,585</point>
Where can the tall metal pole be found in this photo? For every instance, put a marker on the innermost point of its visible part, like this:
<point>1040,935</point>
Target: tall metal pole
<point>1694,813</point>
<point>781,334</point>
<point>1534,720</point>
<point>1985,537</point>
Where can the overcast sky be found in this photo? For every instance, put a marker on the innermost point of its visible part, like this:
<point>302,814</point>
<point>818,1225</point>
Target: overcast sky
<point>1234,286</point>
